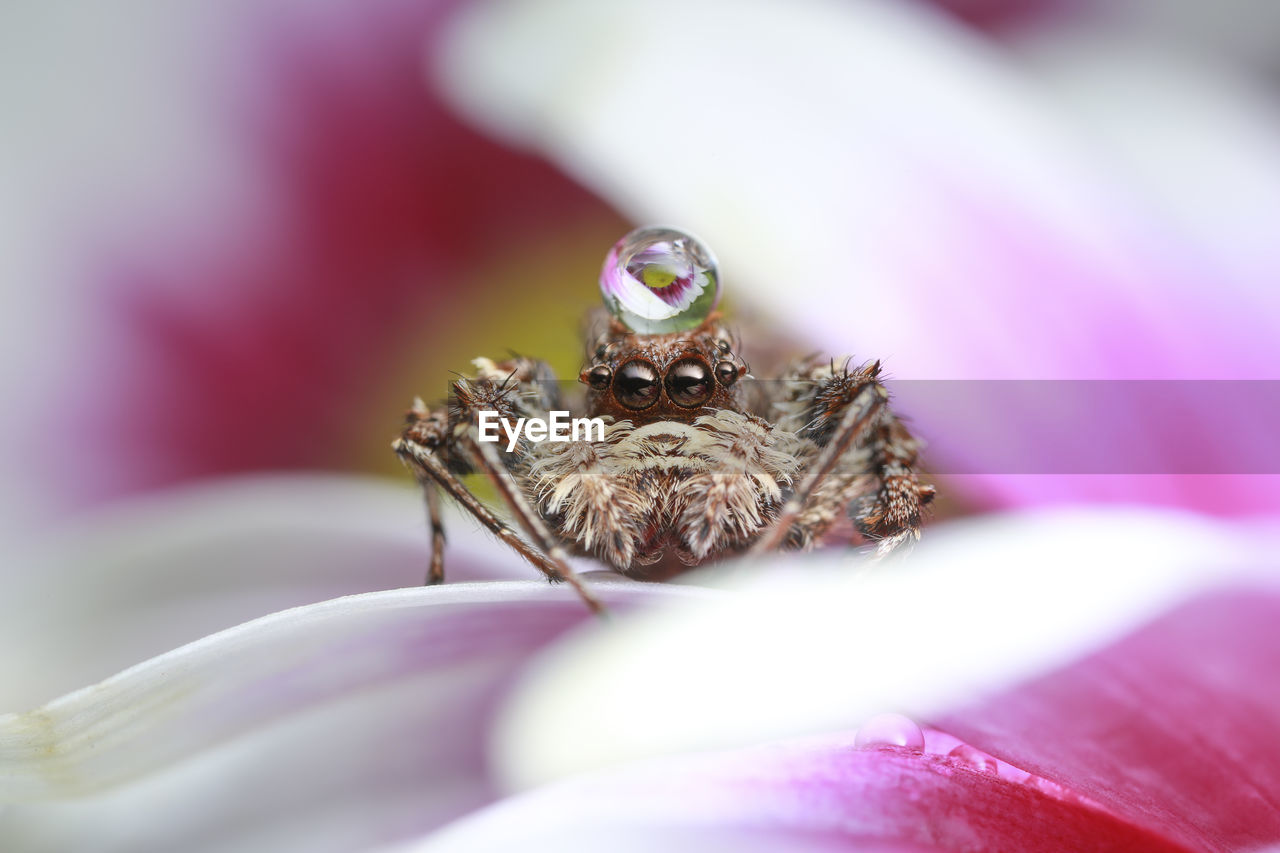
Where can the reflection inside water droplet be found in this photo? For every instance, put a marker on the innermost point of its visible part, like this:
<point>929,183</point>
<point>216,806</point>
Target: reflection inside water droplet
<point>658,280</point>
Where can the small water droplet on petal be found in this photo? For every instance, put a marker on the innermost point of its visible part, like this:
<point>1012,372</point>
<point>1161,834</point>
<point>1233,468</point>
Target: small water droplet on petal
<point>890,730</point>
<point>658,280</point>
<point>973,759</point>
<point>1046,786</point>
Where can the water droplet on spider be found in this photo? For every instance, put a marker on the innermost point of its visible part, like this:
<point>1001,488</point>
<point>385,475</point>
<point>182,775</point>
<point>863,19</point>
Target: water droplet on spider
<point>890,730</point>
<point>658,280</point>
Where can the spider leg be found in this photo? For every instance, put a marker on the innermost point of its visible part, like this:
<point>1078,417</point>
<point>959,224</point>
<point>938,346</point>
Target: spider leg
<point>425,463</point>
<point>435,570</point>
<point>865,460</point>
<point>431,499</point>
<point>439,447</point>
<point>891,515</point>
<point>867,405</point>
<point>490,464</point>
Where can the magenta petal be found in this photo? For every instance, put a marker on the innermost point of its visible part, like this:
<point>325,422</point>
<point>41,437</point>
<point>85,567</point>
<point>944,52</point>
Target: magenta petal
<point>1173,728</point>
<point>822,793</point>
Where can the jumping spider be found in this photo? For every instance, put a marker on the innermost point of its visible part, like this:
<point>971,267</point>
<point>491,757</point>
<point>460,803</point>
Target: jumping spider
<point>698,461</point>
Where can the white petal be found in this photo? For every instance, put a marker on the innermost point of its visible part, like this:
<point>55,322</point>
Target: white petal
<point>874,177</point>
<point>975,607</point>
<point>328,726</point>
<point>148,575</point>
<point>877,181</point>
<point>331,726</point>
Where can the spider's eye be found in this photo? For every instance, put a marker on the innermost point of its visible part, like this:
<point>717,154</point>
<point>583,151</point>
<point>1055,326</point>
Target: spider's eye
<point>723,346</point>
<point>727,372</point>
<point>689,383</point>
<point>602,350</point>
<point>636,385</point>
<point>599,376</point>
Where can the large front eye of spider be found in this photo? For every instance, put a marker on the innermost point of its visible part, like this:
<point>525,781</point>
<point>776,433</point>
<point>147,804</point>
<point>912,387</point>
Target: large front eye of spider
<point>636,385</point>
<point>689,383</point>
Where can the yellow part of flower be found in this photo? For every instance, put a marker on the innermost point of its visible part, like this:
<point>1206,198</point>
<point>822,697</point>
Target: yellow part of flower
<point>656,277</point>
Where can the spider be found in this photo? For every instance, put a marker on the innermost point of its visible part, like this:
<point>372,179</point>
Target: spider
<point>698,459</point>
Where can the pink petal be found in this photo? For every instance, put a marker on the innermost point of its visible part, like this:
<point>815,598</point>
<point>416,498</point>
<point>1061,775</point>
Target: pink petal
<point>823,795</point>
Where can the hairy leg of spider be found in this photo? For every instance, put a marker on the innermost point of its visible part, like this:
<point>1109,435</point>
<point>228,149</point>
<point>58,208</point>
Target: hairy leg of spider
<point>877,480</point>
<point>865,409</point>
<point>489,463</point>
<point>435,571</point>
<point>891,514</point>
<point>425,462</point>
<point>883,488</point>
<point>419,413</point>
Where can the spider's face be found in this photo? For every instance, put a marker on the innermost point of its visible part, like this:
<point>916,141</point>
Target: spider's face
<point>668,377</point>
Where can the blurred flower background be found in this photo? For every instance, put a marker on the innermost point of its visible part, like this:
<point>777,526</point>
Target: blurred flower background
<point>236,238</point>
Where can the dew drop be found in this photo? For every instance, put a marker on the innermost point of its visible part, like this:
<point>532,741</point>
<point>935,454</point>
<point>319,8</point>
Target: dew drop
<point>658,280</point>
<point>1045,786</point>
<point>973,759</point>
<point>890,730</point>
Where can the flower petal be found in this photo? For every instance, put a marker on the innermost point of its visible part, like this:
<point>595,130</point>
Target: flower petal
<point>237,230</point>
<point>976,609</point>
<point>820,794</point>
<point>1172,727</point>
<point>148,575</point>
<point>288,726</point>
<point>920,169</point>
<point>895,185</point>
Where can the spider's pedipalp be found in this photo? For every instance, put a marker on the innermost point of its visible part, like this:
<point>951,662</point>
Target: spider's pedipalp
<point>581,487</point>
<point>723,507</point>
